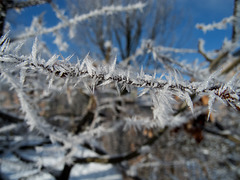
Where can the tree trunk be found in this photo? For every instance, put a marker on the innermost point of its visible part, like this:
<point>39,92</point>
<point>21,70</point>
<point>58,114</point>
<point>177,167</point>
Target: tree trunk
<point>65,172</point>
<point>236,13</point>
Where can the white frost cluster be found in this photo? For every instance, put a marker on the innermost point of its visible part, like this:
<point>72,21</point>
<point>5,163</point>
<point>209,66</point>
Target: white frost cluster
<point>219,25</point>
<point>62,46</point>
<point>38,29</point>
<point>161,90</point>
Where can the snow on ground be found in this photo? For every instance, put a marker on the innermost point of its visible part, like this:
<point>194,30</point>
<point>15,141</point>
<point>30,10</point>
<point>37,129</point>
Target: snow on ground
<point>52,156</point>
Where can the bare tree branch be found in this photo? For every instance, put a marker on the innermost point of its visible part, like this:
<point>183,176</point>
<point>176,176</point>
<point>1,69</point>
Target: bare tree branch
<point>225,134</point>
<point>119,158</point>
<point>235,29</point>
<point>6,116</point>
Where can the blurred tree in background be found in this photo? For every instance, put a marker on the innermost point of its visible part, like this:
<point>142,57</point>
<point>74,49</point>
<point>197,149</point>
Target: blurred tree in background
<point>161,21</point>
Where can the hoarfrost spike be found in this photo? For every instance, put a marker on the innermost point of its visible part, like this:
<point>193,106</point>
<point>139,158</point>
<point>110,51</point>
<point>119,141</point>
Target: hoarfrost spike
<point>34,52</point>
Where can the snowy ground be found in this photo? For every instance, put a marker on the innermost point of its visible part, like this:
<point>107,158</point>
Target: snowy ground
<point>12,168</point>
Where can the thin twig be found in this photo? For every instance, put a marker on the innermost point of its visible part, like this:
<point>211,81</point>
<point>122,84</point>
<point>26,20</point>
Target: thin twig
<point>226,134</point>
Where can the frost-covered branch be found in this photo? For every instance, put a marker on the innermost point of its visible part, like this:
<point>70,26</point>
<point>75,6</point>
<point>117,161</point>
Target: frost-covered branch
<point>223,58</point>
<point>201,50</point>
<point>148,47</point>
<point>235,63</point>
<point>219,25</point>
<point>5,5</point>
<point>161,90</point>
<point>108,10</point>
<point>108,74</point>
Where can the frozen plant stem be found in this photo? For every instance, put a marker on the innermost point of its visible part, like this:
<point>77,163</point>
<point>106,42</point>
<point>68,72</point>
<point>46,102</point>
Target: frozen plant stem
<point>77,19</point>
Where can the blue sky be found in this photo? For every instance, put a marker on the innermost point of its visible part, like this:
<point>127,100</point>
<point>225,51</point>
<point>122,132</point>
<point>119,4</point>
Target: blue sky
<point>208,11</point>
<point>199,11</point>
